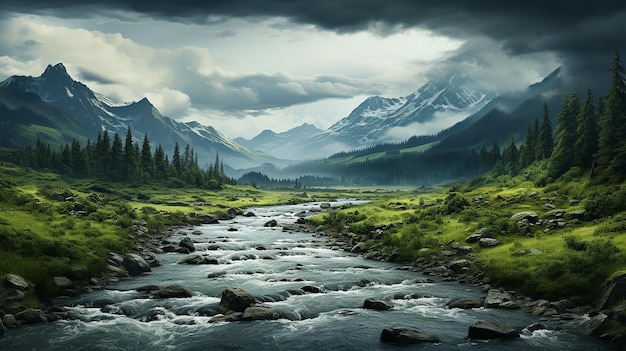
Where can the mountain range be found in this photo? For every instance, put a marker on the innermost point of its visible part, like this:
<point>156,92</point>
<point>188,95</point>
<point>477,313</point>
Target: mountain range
<point>55,108</point>
<point>436,105</point>
<point>452,112</point>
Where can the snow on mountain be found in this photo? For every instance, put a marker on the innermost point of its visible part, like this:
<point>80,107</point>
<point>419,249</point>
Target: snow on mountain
<point>95,112</point>
<point>435,106</point>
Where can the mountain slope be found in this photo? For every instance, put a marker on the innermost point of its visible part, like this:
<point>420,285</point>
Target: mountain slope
<point>283,145</point>
<point>92,113</point>
<point>24,118</point>
<point>436,105</point>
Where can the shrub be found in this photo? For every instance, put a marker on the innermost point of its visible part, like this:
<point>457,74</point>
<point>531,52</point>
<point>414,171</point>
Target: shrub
<point>604,204</point>
<point>454,203</point>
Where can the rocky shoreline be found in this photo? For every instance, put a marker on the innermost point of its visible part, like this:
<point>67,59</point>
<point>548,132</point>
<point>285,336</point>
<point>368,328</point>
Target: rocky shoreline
<point>453,265</point>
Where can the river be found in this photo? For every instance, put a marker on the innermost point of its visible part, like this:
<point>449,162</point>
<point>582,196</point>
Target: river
<point>268,262</point>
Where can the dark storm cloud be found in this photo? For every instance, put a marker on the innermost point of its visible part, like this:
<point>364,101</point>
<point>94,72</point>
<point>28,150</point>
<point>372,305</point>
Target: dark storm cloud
<point>584,35</point>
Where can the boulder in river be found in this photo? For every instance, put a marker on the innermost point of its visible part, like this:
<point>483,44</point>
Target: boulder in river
<point>312,289</point>
<point>406,336</point>
<point>271,223</point>
<point>187,243</point>
<point>259,313</point>
<point>235,299</point>
<point>198,259</point>
<point>135,265</point>
<point>375,304</point>
<point>173,291</point>
<point>31,316</point>
<point>590,326</point>
<point>465,304</point>
<point>485,330</point>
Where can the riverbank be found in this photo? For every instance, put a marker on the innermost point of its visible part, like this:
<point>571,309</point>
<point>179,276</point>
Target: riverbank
<point>454,261</point>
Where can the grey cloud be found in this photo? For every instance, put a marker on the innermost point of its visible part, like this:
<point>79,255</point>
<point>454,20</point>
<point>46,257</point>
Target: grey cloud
<point>583,35</point>
<point>255,92</point>
<point>94,77</point>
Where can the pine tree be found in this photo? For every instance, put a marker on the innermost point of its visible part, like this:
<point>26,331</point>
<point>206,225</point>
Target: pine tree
<point>66,161</point>
<point>545,142</point>
<point>612,138</point>
<point>117,168</point>
<point>511,158</point>
<point>587,144</point>
<point>176,161</point>
<point>131,159</point>
<point>79,159</point>
<point>563,156</point>
<point>528,155</point>
<point>160,163</point>
<point>147,162</point>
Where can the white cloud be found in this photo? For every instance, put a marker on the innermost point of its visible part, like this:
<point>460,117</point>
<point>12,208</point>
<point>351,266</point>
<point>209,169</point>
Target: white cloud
<point>169,102</point>
<point>439,122</point>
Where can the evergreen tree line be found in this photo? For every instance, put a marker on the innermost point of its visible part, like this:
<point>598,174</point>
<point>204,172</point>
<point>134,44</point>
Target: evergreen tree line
<point>430,167</point>
<point>125,161</point>
<point>258,179</point>
<point>590,135</point>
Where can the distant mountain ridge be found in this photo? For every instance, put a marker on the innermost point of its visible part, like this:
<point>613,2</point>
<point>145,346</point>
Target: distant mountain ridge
<point>376,120</point>
<point>92,113</point>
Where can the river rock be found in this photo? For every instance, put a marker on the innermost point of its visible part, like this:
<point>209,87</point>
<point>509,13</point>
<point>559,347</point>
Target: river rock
<point>465,304</point>
<point>230,317</point>
<point>496,297</point>
<point>198,259</point>
<point>312,289</point>
<point>484,330</point>
<point>14,281</point>
<point>63,282</point>
<point>379,305</point>
<point>206,218</point>
<point>231,213</point>
<point>271,223</point>
<point>135,265</point>
<point>218,274</point>
<point>31,316</point>
<point>488,242</point>
<point>235,299</point>
<point>9,320</point>
<point>590,326</point>
<point>325,205</point>
<point>406,336</point>
<point>458,265</point>
<point>173,291</point>
<point>186,243</point>
<point>258,313</point>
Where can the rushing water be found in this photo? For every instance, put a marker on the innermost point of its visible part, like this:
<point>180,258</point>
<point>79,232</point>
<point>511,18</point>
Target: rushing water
<point>268,263</point>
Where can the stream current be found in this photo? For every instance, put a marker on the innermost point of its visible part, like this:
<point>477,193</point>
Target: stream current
<point>271,264</point>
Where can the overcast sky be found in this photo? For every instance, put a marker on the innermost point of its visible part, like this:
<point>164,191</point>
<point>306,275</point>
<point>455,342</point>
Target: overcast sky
<point>244,66</point>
